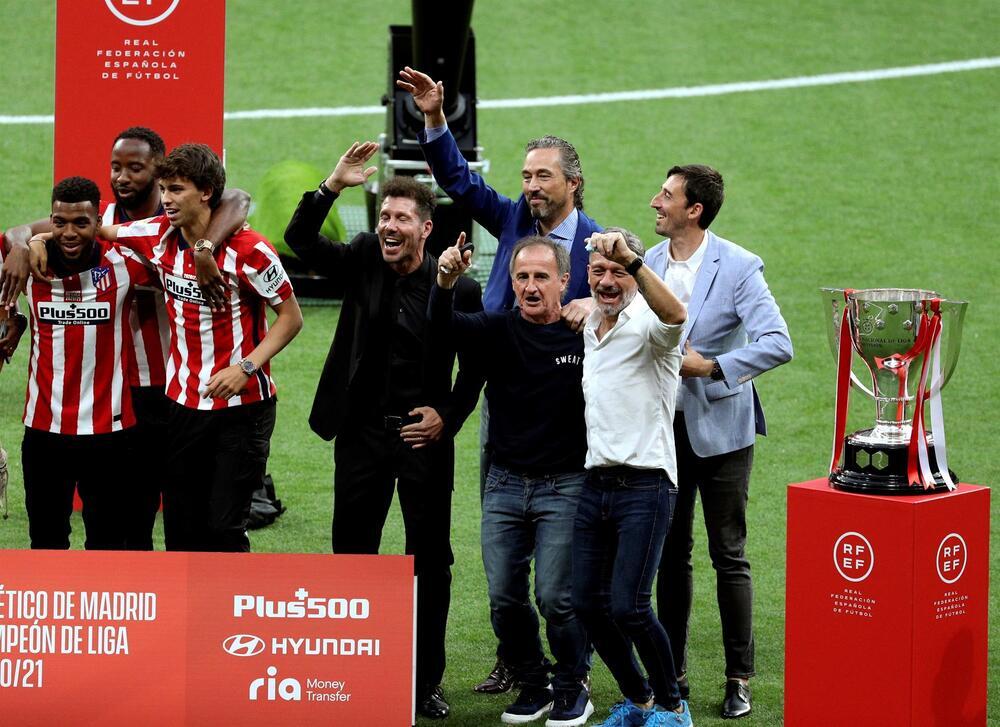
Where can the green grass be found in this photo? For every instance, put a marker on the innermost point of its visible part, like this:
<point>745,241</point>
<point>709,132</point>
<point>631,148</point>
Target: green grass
<point>890,183</point>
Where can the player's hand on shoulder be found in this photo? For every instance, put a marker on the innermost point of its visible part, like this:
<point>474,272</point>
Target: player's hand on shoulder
<point>39,255</point>
<point>14,275</point>
<point>575,313</point>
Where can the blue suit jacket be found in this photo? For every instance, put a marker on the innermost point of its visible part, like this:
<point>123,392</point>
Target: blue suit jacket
<point>505,219</point>
<point>733,318</point>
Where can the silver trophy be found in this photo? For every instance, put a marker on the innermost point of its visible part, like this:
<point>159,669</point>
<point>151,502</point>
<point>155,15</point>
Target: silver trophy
<point>908,341</point>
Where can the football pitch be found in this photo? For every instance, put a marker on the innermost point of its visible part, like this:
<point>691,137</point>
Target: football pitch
<point>890,179</point>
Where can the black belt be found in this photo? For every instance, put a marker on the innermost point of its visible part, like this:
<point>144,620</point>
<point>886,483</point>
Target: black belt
<point>608,478</point>
<point>393,422</point>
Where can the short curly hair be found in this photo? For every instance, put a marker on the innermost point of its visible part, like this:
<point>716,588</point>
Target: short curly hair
<point>77,189</point>
<point>143,133</point>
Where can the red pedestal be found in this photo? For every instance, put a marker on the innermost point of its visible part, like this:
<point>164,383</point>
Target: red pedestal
<point>886,608</point>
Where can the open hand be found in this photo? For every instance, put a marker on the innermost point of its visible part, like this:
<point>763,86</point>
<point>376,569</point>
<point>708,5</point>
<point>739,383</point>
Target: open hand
<point>427,94</point>
<point>350,170</point>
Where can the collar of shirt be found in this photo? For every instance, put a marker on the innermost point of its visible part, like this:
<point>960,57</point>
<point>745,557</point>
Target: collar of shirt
<point>565,232</point>
<point>636,307</point>
<point>416,277</point>
<point>693,262</point>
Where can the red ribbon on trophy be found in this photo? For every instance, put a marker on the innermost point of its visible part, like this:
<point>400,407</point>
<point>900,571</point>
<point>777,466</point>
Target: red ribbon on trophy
<point>845,351</point>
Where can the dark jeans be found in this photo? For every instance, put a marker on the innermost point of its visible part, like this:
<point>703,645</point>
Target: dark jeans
<point>215,462</point>
<point>621,522</point>
<point>99,465</point>
<point>724,483</point>
<point>523,518</point>
<point>370,462</point>
<point>150,432</point>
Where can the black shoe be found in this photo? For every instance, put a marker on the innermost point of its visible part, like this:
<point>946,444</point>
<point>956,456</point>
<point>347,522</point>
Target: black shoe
<point>531,703</point>
<point>684,687</point>
<point>737,701</point>
<point>500,680</point>
<point>432,704</point>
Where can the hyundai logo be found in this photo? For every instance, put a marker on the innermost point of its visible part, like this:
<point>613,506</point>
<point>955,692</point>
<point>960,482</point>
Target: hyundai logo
<point>243,645</point>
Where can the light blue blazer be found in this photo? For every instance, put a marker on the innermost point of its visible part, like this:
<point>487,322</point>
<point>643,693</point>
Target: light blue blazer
<point>733,318</point>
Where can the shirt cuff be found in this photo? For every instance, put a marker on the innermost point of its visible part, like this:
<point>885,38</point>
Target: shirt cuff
<point>433,133</point>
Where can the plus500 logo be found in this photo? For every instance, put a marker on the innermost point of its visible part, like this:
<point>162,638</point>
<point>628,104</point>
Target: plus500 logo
<point>303,607</point>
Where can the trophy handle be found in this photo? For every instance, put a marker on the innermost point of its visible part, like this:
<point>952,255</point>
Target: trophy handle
<point>855,381</point>
<point>834,302</point>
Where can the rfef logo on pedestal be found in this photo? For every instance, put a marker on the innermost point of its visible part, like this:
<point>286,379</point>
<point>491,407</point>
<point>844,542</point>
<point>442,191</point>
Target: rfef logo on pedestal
<point>141,12</point>
<point>853,556</point>
<point>951,558</point>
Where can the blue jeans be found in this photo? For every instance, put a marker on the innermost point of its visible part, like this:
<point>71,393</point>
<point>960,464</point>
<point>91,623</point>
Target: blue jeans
<point>525,517</point>
<point>621,522</point>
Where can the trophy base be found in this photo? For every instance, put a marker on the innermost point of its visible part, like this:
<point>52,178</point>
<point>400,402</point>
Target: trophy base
<point>881,469</point>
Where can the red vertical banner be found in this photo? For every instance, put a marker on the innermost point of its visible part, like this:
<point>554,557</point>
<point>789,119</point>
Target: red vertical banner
<point>121,63</point>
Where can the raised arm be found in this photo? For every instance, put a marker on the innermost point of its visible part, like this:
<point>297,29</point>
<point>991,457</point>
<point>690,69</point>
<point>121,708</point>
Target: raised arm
<point>450,169</point>
<point>303,232</point>
<point>465,329</point>
<point>667,307</point>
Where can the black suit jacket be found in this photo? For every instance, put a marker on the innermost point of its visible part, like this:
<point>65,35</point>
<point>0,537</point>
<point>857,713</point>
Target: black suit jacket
<point>357,272</point>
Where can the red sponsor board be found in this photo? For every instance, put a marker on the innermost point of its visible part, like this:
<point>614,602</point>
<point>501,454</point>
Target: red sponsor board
<point>202,638</point>
<point>886,608</point>
<point>121,63</point>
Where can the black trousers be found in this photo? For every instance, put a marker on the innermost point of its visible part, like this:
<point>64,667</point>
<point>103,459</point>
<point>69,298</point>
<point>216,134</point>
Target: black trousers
<point>99,465</point>
<point>371,461</point>
<point>216,461</point>
<point>724,484</point>
<point>150,433</point>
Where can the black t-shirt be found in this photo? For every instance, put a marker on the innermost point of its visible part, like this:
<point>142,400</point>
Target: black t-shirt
<point>533,382</point>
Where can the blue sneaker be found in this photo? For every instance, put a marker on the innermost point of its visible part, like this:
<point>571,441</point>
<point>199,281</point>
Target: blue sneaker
<point>625,714</point>
<point>571,708</point>
<point>660,717</point>
<point>531,703</point>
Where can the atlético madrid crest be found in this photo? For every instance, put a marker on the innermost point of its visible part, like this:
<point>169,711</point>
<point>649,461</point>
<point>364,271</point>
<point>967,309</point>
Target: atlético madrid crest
<point>100,278</point>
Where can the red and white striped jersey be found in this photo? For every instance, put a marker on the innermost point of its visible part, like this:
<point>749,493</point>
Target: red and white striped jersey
<point>203,342</point>
<point>149,321</point>
<point>81,346</point>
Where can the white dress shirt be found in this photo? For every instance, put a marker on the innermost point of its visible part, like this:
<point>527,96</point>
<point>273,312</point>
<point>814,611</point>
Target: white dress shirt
<point>630,386</point>
<point>680,275</point>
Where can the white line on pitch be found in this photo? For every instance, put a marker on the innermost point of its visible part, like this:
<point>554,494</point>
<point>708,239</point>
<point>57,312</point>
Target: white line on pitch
<point>719,89</point>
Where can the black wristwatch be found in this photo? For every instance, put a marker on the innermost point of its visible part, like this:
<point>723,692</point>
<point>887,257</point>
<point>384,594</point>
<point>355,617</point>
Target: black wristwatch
<point>716,374</point>
<point>633,267</point>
